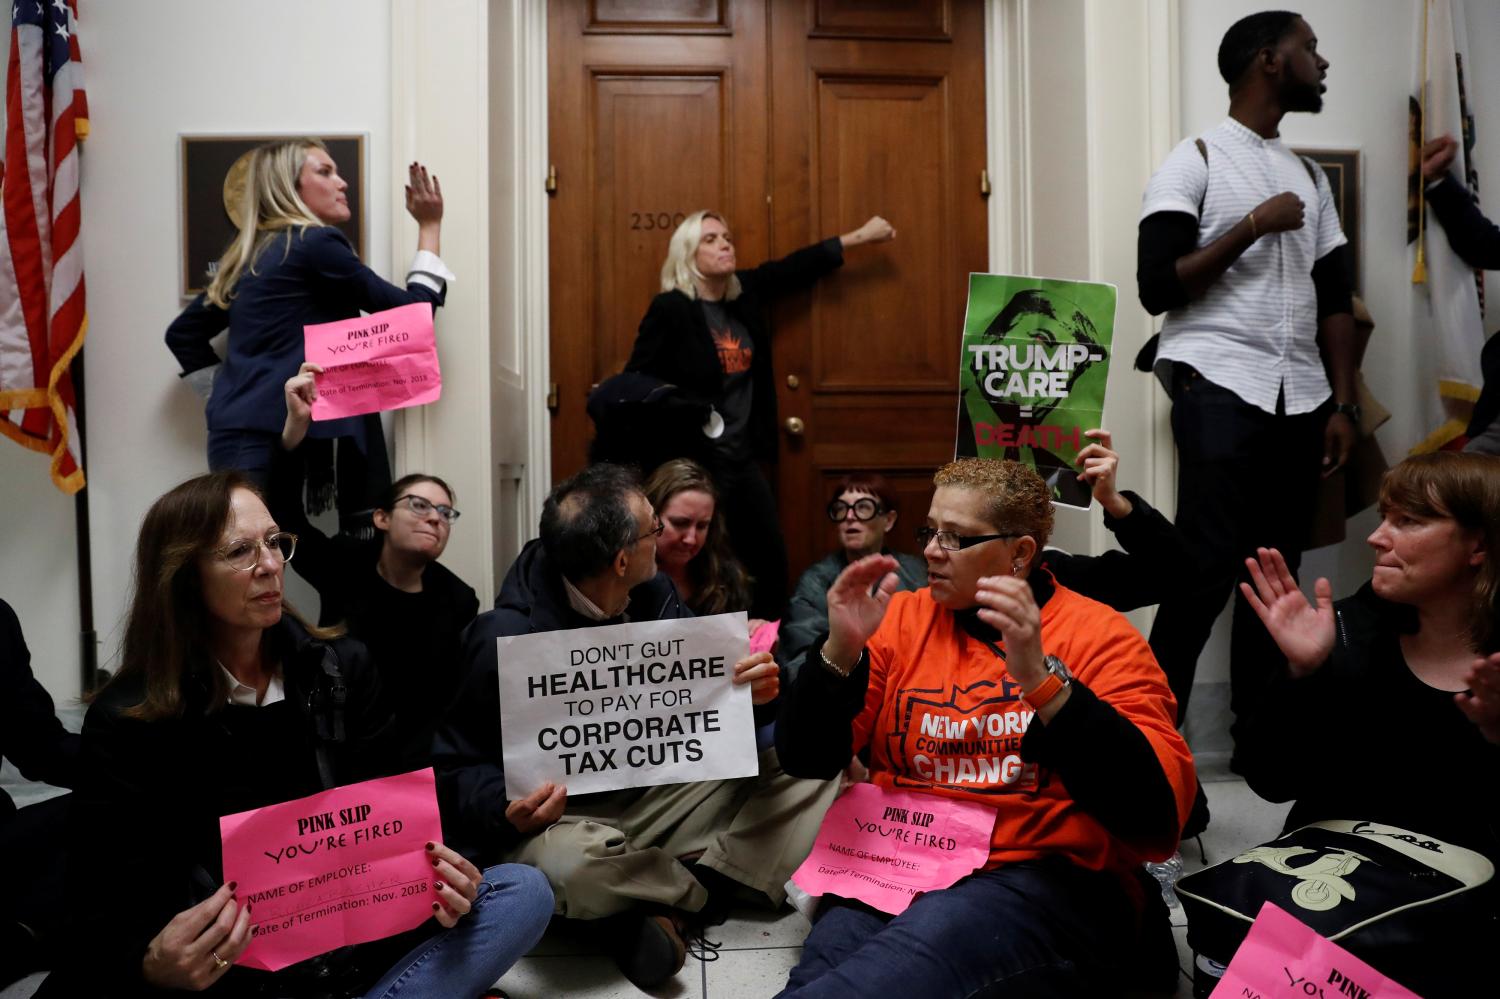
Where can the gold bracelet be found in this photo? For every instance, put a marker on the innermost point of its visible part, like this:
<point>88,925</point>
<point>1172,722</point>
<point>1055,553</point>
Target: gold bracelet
<point>1254,235</point>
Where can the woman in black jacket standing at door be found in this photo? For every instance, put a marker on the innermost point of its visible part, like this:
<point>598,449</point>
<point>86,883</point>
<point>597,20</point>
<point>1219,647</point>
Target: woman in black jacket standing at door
<point>707,334</point>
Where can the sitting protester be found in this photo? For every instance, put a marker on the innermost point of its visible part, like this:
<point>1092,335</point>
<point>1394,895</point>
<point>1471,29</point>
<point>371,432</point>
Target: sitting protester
<point>225,702</point>
<point>32,738</point>
<point>863,511</point>
<point>1413,656</point>
<point>660,858</point>
<point>391,592</point>
<point>1100,783</point>
<point>693,548</point>
<point>1156,554</point>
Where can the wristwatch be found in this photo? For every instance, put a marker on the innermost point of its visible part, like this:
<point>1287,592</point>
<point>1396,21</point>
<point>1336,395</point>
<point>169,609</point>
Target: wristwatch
<point>1349,409</point>
<point>1058,680</point>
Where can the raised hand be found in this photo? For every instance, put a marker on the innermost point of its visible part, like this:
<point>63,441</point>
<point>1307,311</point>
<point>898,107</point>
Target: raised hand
<point>856,606</point>
<point>1481,702</point>
<point>1007,603</point>
<point>1279,213</point>
<point>424,195</point>
<point>537,810</point>
<point>875,230</point>
<point>760,671</point>
<point>196,948</point>
<point>456,884</point>
<point>301,392</point>
<point>1099,463</point>
<point>1304,633</point>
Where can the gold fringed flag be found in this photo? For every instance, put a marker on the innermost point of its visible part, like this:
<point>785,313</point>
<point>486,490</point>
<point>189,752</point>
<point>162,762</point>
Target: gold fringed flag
<point>42,314</point>
<point>1448,297</point>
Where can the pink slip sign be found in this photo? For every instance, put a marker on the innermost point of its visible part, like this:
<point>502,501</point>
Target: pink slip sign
<point>1282,958</point>
<point>763,639</point>
<point>335,868</point>
<point>386,360</point>
<point>885,847</point>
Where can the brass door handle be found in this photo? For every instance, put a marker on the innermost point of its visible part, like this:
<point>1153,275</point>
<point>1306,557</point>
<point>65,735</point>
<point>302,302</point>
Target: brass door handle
<point>795,426</point>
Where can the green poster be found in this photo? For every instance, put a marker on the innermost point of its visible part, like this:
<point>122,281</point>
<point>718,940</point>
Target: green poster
<point>1032,374</point>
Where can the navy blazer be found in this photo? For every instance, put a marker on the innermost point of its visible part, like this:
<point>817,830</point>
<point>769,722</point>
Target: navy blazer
<point>312,275</point>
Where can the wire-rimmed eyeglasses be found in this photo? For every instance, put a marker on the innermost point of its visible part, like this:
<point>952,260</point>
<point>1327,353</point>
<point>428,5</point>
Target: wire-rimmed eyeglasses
<point>422,507</point>
<point>244,554</point>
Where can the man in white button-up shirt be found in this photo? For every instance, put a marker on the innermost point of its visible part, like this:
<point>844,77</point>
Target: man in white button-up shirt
<point>1241,246</point>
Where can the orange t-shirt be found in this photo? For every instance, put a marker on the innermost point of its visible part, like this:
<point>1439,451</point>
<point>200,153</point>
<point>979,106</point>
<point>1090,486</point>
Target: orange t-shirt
<point>942,716</point>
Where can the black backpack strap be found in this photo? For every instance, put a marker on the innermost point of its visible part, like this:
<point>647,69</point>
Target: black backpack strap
<point>1312,170</point>
<point>1202,151</point>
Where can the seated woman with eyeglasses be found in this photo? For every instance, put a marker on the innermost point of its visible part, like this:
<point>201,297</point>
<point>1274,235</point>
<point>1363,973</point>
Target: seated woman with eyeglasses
<point>993,685</point>
<point>225,702</point>
<point>863,511</point>
<point>391,592</point>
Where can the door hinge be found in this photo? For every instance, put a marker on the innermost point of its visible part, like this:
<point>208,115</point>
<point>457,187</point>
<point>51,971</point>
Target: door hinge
<point>551,184</point>
<point>552,396</point>
<point>984,183</point>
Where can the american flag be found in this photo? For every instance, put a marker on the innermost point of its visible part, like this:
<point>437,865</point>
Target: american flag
<point>42,315</point>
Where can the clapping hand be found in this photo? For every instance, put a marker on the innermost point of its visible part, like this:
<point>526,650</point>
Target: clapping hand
<point>1304,633</point>
<point>856,606</point>
<point>1481,702</point>
<point>1007,603</point>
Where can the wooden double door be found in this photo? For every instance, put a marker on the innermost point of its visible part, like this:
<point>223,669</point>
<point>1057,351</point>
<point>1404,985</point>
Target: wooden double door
<point>798,120</point>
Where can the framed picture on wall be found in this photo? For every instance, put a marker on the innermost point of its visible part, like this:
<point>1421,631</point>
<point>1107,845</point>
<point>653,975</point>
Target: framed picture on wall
<point>213,180</point>
<point>1343,169</point>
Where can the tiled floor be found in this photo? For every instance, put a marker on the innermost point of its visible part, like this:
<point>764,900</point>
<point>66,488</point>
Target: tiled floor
<point>758,948</point>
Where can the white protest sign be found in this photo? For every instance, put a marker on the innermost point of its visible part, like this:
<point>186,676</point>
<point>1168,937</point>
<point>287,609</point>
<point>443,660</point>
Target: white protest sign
<point>626,705</point>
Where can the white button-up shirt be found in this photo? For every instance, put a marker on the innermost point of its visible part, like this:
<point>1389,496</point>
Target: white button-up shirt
<point>242,693</point>
<point>1255,330</point>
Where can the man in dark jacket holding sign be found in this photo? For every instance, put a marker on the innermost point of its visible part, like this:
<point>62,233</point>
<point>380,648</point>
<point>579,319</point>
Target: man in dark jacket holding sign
<point>624,853</point>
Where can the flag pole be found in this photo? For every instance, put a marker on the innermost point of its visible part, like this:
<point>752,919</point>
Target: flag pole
<point>1419,269</point>
<point>88,637</point>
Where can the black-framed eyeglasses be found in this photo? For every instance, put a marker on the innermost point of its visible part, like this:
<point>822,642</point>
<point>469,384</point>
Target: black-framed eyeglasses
<point>953,541</point>
<point>422,507</point>
<point>864,509</point>
<point>244,554</point>
<point>655,531</point>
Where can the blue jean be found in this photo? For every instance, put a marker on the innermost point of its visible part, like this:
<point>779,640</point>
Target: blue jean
<point>1041,928</point>
<point>509,916</point>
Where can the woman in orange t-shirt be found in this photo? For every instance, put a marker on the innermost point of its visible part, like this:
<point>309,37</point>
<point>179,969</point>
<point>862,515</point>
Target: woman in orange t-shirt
<point>992,685</point>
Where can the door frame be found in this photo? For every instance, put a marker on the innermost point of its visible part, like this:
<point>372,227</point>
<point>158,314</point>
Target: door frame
<point>493,96</point>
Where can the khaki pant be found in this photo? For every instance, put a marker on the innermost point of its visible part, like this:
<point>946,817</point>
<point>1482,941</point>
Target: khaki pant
<point>613,850</point>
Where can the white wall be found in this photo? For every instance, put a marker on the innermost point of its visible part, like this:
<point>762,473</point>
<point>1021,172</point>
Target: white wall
<point>189,66</point>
